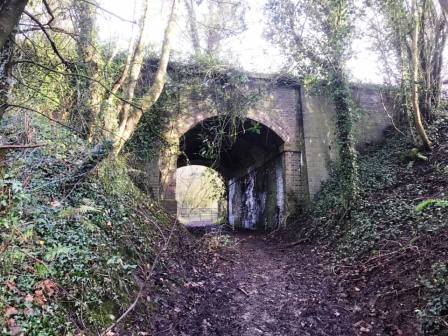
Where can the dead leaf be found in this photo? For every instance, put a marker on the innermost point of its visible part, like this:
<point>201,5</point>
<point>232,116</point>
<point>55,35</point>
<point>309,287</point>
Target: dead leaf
<point>364,329</point>
<point>29,298</point>
<point>10,311</point>
<point>11,285</point>
<point>39,297</point>
<point>14,329</point>
<point>49,287</point>
<point>11,323</point>
<point>194,284</point>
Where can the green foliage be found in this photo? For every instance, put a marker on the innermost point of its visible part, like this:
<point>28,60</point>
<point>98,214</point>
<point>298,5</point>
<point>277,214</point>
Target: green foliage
<point>361,228</point>
<point>397,24</point>
<point>68,256</point>
<point>390,211</point>
<point>434,314</point>
<point>230,97</point>
<point>315,36</point>
<point>422,206</point>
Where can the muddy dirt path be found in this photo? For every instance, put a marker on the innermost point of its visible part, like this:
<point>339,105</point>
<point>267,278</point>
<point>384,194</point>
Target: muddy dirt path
<point>255,286</point>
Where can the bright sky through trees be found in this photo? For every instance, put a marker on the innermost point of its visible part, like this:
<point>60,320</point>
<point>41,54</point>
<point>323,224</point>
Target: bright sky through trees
<point>250,49</point>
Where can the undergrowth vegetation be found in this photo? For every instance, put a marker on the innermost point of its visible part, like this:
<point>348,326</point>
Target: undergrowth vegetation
<point>72,256</point>
<point>394,237</point>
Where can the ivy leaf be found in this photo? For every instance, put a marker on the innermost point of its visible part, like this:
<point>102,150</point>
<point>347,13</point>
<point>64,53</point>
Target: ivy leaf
<point>57,251</point>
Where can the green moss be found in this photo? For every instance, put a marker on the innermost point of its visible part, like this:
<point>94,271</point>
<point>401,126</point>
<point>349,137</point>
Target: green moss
<point>104,313</point>
<point>114,178</point>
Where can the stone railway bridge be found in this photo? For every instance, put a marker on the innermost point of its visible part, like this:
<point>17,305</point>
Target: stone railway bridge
<point>270,174</point>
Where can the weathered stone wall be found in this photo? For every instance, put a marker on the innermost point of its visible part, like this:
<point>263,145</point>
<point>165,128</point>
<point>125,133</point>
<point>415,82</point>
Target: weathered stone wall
<point>320,139</point>
<point>375,114</point>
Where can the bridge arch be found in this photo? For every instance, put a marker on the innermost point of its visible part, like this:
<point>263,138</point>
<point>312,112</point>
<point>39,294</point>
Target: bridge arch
<point>200,114</point>
<point>251,160</point>
<point>263,168</point>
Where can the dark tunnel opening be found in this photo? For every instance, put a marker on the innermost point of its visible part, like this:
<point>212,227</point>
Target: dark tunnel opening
<point>247,154</point>
<point>238,145</point>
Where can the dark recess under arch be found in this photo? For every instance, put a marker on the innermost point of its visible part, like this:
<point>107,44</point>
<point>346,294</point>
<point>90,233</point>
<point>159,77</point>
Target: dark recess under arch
<point>253,145</point>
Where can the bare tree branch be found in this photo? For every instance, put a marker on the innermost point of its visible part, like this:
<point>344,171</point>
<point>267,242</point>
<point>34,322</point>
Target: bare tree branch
<point>69,74</point>
<point>108,12</point>
<point>52,43</point>
<point>49,11</point>
<point>8,146</point>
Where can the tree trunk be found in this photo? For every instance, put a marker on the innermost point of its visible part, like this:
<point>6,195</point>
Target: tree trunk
<point>414,80</point>
<point>5,83</point>
<point>109,114</point>
<point>131,117</point>
<point>10,12</point>
<point>437,62</point>
<point>405,96</point>
<point>91,92</point>
<point>345,129</point>
<point>444,5</point>
<point>134,71</point>
<point>192,20</point>
<point>425,71</point>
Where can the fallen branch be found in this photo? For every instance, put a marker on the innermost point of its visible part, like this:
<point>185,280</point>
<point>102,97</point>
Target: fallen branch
<point>374,300</point>
<point>130,308</point>
<point>226,259</point>
<point>243,291</point>
<point>7,146</point>
<point>298,242</point>
<point>4,247</point>
<point>403,249</point>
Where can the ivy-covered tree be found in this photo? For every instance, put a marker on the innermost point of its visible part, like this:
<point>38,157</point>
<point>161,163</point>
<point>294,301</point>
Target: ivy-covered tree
<point>410,38</point>
<point>316,37</point>
<point>90,92</point>
<point>10,12</point>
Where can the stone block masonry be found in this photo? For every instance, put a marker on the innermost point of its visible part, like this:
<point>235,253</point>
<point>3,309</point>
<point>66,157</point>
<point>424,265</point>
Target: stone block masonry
<point>375,114</point>
<point>275,174</point>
